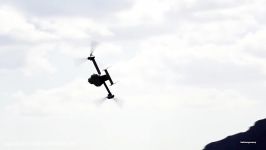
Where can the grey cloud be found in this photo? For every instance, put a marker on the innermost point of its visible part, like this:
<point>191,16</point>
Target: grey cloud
<point>7,40</point>
<point>92,8</point>
<point>208,73</point>
<point>11,58</point>
<point>140,32</point>
<point>216,4</point>
<point>211,5</point>
<point>209,10</point>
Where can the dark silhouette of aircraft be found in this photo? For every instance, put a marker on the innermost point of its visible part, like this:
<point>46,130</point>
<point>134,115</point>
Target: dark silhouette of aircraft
<point>98,79</point>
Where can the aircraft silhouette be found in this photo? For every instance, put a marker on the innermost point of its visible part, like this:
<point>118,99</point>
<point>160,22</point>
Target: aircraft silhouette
<point>98,79</point>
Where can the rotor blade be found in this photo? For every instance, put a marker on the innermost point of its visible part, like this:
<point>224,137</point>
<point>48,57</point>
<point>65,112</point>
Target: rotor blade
<point>106,68</point>
<point>93,47</point>
<point>79,61</point>
<point>100,101</point>
<point>115,83</point>
<point>118,101</point>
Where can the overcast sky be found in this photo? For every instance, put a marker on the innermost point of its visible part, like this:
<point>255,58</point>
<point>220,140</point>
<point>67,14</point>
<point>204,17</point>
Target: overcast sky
<point>189,72</point>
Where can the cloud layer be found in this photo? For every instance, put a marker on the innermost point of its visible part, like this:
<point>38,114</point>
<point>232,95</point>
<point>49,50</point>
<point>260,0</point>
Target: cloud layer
<point>184,68</point>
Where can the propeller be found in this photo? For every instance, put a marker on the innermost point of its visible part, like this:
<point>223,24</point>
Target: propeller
<point>115,83</point>
<point>100,101</point>
<point>108,67</point>
<point>119,102</point>
<point>93,47</point>
<point>81,60</point>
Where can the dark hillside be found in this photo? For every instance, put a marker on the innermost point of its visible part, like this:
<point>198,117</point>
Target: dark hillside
<point>252,139</point>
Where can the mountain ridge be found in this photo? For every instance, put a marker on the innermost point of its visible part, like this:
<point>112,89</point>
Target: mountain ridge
<point>252,139</point>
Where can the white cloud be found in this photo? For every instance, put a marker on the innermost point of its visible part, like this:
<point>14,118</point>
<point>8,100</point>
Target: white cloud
<point>32,38</point>
<point>92,8</point>
<point>16,26</point>
<point>143,12</point>
<point>37,61</point>
<point>36,29</point>
<point>73,98</point>
<point>71,28</point>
